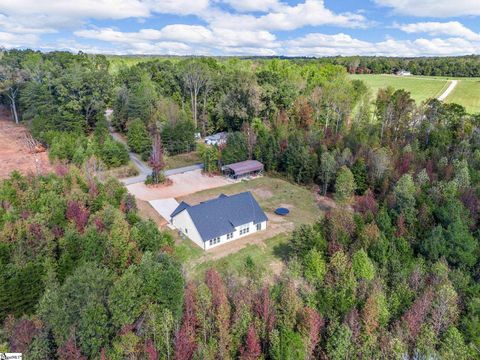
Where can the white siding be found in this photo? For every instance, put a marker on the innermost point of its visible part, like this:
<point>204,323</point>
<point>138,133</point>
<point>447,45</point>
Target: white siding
<point>236,234</point>
<point>184,223</point>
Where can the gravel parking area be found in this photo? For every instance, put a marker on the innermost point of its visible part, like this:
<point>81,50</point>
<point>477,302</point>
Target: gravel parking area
<point>182,184</point>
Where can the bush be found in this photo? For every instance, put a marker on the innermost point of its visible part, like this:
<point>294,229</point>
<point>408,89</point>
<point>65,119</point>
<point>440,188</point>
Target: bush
<point>113,153</point>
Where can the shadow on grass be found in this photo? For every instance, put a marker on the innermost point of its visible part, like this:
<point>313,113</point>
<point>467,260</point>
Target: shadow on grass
<point>282,251</point>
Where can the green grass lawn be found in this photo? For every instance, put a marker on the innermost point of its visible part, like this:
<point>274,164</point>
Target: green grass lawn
<point>270,193</point>
<point>180,160</point>
<point>467,93</point>
<point>420,88</point>
<point>266,259</point>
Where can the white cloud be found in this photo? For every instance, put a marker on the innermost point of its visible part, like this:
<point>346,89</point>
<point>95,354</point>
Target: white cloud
<point>316,44</point>
<point>179,7</point>
<point>10,40</point>
<point>433,8</point>
<point>452,28</point>
<point>187,34</point>
<point>253,5</point>
<point>94,9</point>
<point>285,17</point>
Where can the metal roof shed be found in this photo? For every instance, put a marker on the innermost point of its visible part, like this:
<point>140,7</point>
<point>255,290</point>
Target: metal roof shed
<point>244,168</point>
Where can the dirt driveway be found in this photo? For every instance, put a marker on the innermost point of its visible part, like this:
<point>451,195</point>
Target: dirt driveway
<point>182,184</point>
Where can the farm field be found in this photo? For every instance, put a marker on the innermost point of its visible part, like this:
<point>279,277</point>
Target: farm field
<point>118,61</point>
<point>467,93</point>
<point>421,88</point>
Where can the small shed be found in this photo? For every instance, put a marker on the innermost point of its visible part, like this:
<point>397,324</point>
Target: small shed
<point>243,168</point>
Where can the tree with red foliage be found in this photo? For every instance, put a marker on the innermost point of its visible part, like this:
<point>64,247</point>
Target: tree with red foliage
<point>415,316</point>
<point>36,230</point>
<point>265,310</point>
<point>78,214</point>
<point>22,335</point>
<point>150,350</point>
<point>366,204</point>
<point>403,163</point>
<point>69,351</point>
<point>251,350</point>
<point>221,307</point>
<point>156,158</point>
<point>311,325</point>
<point>185,344</point>
<point>470,201</point>
<point>303,113</point>
<point>353,322</point>
<point>401,226</point>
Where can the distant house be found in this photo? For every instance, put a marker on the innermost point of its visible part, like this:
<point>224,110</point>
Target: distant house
<point>243,168</point>
<point>220,220</point>
<point>216,139</point>
<point>403,73</point>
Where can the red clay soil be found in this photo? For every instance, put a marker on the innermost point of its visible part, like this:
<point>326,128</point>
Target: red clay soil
<point>15,153</point>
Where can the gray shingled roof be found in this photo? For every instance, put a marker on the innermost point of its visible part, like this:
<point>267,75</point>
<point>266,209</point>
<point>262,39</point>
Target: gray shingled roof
<point>180,207</point>
<point>221,215</point>
<point>245,167</point>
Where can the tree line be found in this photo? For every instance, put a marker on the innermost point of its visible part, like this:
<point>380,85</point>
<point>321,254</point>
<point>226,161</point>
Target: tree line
<point>455,66</point>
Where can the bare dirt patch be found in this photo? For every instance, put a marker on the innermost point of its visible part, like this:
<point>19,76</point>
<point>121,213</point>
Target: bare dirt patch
<point>325,203</point>
<point>263,193</point>
<point>14,152</point>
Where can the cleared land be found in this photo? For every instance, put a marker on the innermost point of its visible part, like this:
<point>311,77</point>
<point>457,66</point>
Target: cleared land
<point>421,88</point>
<point>181,185</point>
<point>14,153</point>
<point>264,248</point>
<point>467,93</point>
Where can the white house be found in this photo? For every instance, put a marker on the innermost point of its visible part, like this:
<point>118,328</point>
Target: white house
<point>220,220</point>
<point>403,73</point>
<point>216,139</point>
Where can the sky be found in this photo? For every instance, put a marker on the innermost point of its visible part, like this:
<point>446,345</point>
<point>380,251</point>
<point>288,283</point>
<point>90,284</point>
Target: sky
<point>244,27</point>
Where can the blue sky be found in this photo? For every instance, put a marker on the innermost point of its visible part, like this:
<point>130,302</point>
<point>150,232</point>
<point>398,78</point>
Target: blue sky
<point>244,27</point>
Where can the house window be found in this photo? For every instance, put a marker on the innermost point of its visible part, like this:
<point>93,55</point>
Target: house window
<point>186,231</point>
<point>214,241</point>
<point>230,236</point>
<point>245,230</point>
<point>259,226</point>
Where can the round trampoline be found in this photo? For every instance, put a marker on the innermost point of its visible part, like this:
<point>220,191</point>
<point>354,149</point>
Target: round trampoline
<point>282,211</point>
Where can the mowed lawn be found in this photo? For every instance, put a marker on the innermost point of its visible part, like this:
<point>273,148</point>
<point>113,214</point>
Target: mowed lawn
<point>266,256</point>
<point>270,193</point>
<point>420,88</point>
<point>467,93</point>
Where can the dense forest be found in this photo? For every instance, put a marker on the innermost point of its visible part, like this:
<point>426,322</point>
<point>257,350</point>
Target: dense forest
<point>391,272</point>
